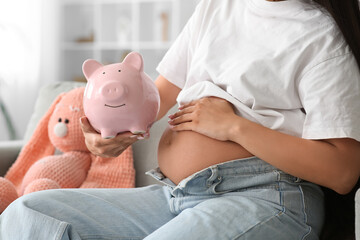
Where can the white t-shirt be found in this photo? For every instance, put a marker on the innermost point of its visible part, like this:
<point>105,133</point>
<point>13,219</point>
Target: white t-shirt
<point>284,65</point>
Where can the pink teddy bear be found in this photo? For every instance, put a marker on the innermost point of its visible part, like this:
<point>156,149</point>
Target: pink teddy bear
<point>37,168</point>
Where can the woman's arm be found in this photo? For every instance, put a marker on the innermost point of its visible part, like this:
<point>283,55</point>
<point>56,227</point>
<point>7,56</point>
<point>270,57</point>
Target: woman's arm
<point>168,94</point>
<point>115,146</point>
<point>333,163</point>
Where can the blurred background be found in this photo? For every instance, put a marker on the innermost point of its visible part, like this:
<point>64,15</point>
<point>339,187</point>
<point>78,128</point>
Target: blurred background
<point>43,41</point>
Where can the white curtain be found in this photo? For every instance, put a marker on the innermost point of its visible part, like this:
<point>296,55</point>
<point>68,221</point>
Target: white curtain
<point>20,59</point>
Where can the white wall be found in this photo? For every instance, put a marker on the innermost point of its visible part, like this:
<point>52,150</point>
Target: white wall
<point>19,59</point>
<point>29,55</point>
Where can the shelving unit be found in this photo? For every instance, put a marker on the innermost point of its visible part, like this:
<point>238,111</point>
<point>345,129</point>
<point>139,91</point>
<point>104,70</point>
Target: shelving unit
<point>106,30</point>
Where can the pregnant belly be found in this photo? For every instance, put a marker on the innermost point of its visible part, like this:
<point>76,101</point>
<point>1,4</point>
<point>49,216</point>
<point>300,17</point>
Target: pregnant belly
<point>181,154</point>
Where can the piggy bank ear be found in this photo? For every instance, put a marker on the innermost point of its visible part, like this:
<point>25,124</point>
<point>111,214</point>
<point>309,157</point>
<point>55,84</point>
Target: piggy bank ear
<point>134,59</point>
<point>89,67</point>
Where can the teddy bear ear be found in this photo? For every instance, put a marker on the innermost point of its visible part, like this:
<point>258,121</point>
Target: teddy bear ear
<point>89,67</point>
<point>38,146</point>
<point>135,59</point>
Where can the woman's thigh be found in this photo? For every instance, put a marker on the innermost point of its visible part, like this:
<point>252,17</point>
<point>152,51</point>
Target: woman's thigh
<point>87,214</point>
<point>246,199</point>
<point>240,216</point>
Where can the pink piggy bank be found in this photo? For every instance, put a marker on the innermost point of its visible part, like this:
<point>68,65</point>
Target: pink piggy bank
<point>120,97</point>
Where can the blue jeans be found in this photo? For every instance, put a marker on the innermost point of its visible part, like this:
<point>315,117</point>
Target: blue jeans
<point>240,199</point>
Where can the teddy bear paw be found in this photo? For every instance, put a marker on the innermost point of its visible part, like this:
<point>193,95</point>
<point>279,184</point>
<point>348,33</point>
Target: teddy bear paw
<point>7,193</point>
<point>41,184</point>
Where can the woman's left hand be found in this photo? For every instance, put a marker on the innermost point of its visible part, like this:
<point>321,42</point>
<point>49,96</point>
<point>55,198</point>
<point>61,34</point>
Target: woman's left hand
<point>210,116</point>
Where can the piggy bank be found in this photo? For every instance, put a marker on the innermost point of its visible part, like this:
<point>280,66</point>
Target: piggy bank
<point>120,97</point>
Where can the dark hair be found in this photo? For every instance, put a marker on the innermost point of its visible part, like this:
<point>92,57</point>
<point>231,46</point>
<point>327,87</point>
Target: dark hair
<point>339,215</point>
<point>340,209</point>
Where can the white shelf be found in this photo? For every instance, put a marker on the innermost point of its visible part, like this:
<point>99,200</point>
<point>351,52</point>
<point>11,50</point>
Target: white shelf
<point>106,30</point>
<point>113,45</point>
<point>102,2</point>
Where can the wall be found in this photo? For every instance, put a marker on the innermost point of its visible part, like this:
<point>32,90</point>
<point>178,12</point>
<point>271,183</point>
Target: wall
<point>20,44</point>
<point>30,47</point>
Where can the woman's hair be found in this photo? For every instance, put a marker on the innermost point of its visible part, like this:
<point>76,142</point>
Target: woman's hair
<point>347,16</point>
<point>339,214</point>
<point>340,210</point>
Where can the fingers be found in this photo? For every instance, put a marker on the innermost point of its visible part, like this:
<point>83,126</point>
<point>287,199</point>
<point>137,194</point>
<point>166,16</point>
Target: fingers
<point>183,119</point>
<point>187,126</point>
<point>107,147</point>
<point>85,125</point>
<point>142,136</point>
<point>201,100</point>
<point>192,103</point>
<point>184,115</point>
<point>185,110</point>
<point>87,128</point>
<point>180,119</point>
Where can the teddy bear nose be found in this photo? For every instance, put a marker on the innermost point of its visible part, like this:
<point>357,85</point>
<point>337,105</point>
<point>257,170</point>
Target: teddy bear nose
<point>60,129</point>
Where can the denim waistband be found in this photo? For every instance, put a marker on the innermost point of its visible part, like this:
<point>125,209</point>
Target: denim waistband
<point>254,168</point>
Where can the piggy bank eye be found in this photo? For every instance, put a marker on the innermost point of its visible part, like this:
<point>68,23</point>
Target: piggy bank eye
<point>59,120</point>
<point>66,121</point>
<point>119,70</point>
<point>103,72</point>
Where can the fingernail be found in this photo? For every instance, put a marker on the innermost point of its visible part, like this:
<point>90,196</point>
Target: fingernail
<point>133,136</point>
<point>140,138</point>
<point>171,115</point>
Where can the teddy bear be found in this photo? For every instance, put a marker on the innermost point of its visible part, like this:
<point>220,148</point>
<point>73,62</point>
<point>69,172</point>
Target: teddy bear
<point>37,168</point>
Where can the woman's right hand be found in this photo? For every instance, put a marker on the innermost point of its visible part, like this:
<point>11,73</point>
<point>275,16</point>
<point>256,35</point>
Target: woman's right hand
<point>106,147</point>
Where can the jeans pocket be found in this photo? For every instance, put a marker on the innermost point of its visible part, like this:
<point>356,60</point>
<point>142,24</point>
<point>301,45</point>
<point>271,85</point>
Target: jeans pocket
<point>246,182</point>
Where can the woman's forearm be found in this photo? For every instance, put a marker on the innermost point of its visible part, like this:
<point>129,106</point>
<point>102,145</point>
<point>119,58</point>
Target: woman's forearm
<point>334,163</point>
<point>168,93</point>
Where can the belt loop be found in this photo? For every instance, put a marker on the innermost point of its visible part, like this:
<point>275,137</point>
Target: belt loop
<point>278,175</point>
<point>284,176</point>
<point>213,176</point>
<point>297,179</point>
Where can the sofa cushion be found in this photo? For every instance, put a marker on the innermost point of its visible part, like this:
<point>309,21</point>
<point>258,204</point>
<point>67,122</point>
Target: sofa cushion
<point>47,94</point>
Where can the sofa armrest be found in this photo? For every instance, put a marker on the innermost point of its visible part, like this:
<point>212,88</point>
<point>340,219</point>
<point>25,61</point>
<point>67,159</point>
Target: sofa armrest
<point>357,214</point>
<point>9,151</point>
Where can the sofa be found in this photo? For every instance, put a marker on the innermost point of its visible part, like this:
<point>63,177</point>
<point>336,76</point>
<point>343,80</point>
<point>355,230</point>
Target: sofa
<point>145,151</point>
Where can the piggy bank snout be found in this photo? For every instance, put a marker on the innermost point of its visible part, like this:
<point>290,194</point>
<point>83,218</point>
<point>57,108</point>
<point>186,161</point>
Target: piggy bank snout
<point>113,91</point>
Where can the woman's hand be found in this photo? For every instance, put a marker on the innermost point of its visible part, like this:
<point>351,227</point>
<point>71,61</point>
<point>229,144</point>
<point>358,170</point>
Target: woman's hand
<point>211,116</point>
<point>106,147</point>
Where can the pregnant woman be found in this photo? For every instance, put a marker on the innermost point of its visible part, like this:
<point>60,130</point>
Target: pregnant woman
<point>269,100</point>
